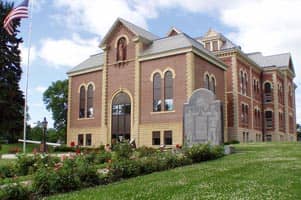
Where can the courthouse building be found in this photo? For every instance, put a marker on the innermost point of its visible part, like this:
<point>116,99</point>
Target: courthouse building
<point>136,88</point>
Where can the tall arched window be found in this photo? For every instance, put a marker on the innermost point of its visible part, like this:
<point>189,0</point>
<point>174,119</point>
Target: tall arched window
<point>207,82</point>
<point>90,109</point>
<point>267,92</point>
<point>121,49</point>
<point>157,92</point>
<point>82,101</point>
<point>212,85</point>
<point>246,83</point>
<point>168,91</point>
<point>241,82</point>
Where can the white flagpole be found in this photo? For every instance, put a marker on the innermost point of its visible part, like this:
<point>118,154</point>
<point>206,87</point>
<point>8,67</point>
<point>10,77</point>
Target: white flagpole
<point>27,75</point>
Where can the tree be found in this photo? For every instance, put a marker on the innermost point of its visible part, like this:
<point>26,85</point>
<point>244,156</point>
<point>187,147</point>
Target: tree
<point>298,132</point>
<point>11,97</point>
<point>55,98</point>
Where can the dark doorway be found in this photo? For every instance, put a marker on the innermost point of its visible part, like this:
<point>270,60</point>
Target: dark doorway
<point>121,117</point>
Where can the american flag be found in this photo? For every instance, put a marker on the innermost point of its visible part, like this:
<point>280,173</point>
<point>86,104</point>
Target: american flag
<point>19,12</point>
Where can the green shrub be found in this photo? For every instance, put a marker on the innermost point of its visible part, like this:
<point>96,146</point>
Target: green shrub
<point>87,173</point>
<point>64,148</point>
<point>123,150</point>
<point>44,181</point>
<point>24,164</point>
<point>231,142</point>
<point>145,151</point>
<point>15,192</point>
<point>126,168</point>
<point>103,157</point>
<point>6,171</point>
<point>203,152</point>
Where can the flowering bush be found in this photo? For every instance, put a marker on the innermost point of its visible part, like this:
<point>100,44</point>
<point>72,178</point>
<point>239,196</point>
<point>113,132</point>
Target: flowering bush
<point>123,150</point>
<point>72,143</point>
<point>203,152</point>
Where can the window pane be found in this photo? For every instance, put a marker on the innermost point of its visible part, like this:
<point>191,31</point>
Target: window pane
<point>157,92</point>
<point>88,139</point>
<point>168,137</point>
<point>80,140</point>
<point>168,91</point>
<point>90,111</point>
<point>156,137</point>
<point>215,45</point>
<point>82,102</point>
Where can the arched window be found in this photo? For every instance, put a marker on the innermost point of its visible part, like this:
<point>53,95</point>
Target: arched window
<point>246,83</point>
<point>157,92</point>
<point>241,82</point>
<point>168,91</point>
<point>121,49</point>
<point>207,82</point>
<point>267,92</point>
<point>90,109</point>
<point>212,85</point>
<point>82,101</point>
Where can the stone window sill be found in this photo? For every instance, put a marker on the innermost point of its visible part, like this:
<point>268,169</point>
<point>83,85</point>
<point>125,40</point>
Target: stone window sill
<point>162,112</point>
<point>85,118</point>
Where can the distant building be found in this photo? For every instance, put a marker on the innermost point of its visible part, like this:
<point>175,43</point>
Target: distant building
<point>136,88</point>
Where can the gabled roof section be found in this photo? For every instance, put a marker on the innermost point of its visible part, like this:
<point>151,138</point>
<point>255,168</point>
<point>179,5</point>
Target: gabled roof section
<point>138,31</point>
<point>93,62</point>
<point>176,42</point>
<point>212,33</point>
<point>278,60</point>
<point>173,31</point>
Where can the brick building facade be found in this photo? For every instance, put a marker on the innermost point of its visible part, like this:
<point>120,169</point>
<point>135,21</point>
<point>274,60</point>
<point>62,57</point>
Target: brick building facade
<point>136,88</point>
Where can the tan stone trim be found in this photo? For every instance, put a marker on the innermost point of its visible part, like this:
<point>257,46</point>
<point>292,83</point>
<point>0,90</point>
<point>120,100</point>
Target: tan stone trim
<point>120,36</point>
<point>81,85</point>
<point>171,70</point>
<point>151,78</point>
<point>275,98</point>
<point>162,112</point>
<point>69,108</point>
<point>235,95</point>
<point>104,99</point>
<point>251,93</point>
<point>121,62</point>
<point>190,65</point>
<point>136,103</point>
<point>218,63</point>
<point>91,83</point>
<point>225,112</point>
<point>110,111</point>
<point>84,71</point>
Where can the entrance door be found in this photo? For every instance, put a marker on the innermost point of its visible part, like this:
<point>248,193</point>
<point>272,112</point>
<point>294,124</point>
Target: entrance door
<point>121,117</point>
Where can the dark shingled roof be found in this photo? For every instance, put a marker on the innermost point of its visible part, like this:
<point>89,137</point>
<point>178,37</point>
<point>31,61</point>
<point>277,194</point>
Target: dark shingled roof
<point>279,60</point>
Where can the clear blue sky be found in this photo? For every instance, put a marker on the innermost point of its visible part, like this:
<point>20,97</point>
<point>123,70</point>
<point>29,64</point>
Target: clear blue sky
<point>65,32</point>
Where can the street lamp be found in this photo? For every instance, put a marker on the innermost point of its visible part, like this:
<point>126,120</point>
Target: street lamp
<point>44,125</point>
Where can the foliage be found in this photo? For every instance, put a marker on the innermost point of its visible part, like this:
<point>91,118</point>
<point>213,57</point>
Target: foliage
<point>145,151</point>
<point>232,142</point>
<point>103,157</point>
<point>6,171</point>
<point>202,152</point>
<point>36,133</point>
<point>56,99</point>
<point>11,96</point>
<point>15,192</point>
<point>122,150</point>
<point>126,168</point>
<point>64,148</point>
<point>24,164</point>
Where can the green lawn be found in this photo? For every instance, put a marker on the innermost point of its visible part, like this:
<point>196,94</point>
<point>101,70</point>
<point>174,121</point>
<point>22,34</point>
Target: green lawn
<point>256,171</point>
<point>7,147</point>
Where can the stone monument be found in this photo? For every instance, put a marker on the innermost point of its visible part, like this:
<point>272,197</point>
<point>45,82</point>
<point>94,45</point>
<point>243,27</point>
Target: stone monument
<point>203,119</point>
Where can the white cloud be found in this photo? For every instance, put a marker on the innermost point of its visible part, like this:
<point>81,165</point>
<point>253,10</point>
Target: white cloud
<point>24,55</point>
<point>40,89</point>
<point>67,52</point>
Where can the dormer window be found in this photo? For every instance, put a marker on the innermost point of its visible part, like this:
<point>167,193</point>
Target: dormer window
<point>121,49</point>
<point>207,45</point>
<point>215,45</point>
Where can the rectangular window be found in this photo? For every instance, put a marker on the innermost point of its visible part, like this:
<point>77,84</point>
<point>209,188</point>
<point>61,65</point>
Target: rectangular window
<point>80,140</point>
<point>168,137</point>
<point>215,45</point>
<point>88,139</point>
<point>156,137</point>
<point>207,46</point>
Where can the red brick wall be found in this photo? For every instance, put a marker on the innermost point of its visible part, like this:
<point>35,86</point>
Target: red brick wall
<point>202,66</point>
<point>178,64</point>
<point>96,78</point>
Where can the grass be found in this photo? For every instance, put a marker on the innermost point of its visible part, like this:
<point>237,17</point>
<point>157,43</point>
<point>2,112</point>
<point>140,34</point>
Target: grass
<point>256,171</point>
<point>6,148</point>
